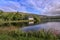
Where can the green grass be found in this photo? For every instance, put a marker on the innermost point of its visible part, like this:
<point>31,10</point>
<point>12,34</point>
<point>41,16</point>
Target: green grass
<point>19,35</point>
<point>15,21</point>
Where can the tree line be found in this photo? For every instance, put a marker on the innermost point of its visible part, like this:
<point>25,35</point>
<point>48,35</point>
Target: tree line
<point>16,16</point>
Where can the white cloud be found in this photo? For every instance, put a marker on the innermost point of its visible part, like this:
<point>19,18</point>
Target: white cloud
<point>45,7</point>
<point>53,8</point>
<point>11,6</point>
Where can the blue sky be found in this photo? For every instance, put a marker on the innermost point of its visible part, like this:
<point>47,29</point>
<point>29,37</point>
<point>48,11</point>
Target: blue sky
<point>40,7</point>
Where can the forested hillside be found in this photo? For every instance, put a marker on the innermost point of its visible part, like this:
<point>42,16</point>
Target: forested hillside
<point>17,18</point>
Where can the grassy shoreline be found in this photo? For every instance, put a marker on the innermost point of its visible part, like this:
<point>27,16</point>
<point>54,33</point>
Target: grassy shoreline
<point>20,35</point>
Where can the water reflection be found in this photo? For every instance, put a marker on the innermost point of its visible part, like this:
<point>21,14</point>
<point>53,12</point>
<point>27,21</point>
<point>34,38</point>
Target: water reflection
<point>46,26</point>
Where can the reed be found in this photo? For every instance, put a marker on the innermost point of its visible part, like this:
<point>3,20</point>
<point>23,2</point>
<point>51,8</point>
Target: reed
<point>19,35</point>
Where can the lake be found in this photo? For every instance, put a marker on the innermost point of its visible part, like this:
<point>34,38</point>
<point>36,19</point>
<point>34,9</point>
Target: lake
<point>46,26</point>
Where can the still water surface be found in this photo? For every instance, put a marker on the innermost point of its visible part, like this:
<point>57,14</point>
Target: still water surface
<point>46,26</point>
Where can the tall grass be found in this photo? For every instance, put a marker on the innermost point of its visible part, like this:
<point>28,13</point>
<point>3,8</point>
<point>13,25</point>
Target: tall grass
<point>19,35</point>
